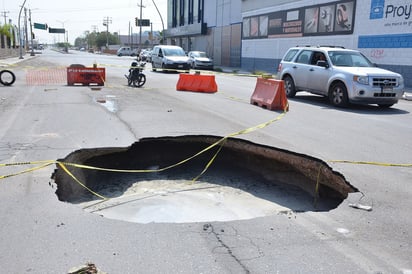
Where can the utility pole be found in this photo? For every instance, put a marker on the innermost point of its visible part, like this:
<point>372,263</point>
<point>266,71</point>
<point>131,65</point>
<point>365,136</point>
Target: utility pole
<point>129,34</point>
<point>151,34</point>
<point>31,35</point>
<point>25,29</point>
<point>64,35</point>
<point>140,24</point>
<point>20,38</point>
<point>4,14</point>
<point>106,21</point>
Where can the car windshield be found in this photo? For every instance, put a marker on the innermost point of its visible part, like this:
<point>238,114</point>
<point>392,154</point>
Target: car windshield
<point>199,54</point>
<point>173,52</point>
<point>349,59</point>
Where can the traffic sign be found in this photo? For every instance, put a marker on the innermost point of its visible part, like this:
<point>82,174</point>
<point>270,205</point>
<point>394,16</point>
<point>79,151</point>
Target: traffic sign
<point>40,26</point>
<point>52,30</point>
<point>143,22</point>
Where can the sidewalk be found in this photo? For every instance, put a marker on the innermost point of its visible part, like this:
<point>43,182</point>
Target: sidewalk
<point>14,60</point>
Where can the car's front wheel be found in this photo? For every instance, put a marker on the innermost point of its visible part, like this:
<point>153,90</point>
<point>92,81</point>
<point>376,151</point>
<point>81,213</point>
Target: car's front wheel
<point>338,95</point>
<point>290,89</point>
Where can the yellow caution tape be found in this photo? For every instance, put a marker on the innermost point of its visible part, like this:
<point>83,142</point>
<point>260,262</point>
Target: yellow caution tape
<point>26,170</point>
<point>78,181</point>
<point>64,165</point>
<point>370,163</point>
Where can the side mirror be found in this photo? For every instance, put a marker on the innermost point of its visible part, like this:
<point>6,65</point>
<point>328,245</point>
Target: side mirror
<point>322,63</point>
<point>160,54</point>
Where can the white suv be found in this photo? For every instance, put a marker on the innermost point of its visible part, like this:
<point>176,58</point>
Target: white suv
<point>343,75</point>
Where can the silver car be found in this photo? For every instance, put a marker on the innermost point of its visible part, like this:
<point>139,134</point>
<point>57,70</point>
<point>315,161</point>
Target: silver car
<point>168,57</point>
<point>344,76</point>
<point>199,60</point>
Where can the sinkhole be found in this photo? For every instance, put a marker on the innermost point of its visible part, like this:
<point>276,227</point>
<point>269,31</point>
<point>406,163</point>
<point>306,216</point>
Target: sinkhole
<point>196,179</point>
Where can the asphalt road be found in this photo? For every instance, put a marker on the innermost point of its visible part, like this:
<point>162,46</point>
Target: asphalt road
<point>44,119</point>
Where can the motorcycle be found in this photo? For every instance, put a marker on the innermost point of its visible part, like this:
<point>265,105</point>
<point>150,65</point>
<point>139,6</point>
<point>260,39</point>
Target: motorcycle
<point>7,77</point>
<point>136,77</point>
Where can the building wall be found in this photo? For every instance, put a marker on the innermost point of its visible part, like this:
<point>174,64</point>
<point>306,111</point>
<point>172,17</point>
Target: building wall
<point>381,29</point>
<point>252,5</point>
<point>222,40</point>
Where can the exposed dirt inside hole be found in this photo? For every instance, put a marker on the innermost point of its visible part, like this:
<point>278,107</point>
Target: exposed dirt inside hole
<point>244,181</point>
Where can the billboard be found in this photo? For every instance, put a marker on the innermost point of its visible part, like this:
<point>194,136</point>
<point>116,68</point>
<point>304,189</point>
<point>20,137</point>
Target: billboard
<point>325,19</point>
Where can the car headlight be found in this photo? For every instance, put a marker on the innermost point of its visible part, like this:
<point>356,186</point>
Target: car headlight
<point>401,81</point>
<point>364,80</point>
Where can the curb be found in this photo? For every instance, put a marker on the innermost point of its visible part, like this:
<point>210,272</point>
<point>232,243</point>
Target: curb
<point>14,60</point>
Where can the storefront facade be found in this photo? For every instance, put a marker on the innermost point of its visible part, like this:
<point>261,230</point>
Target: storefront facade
<point>213,26</point>
<point>254,35</point>
<point>380,29</point>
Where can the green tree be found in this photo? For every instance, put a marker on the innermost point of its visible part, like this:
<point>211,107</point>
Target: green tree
<point>96,39</point>
<point>102,39</point>
<point>5,35</point>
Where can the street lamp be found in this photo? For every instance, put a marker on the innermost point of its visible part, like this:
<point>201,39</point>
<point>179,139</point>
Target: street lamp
<point>161,18</point>
<point>21,40</point>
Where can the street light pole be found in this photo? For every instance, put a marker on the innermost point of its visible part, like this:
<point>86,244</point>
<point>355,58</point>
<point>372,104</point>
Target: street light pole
<point>161,18</point>
<point>20,38</point>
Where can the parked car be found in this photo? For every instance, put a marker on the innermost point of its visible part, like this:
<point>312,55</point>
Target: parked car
<point>169,57</point>
<point>199,60</point>
<point>126,51</point>
<point>145,55</point>
<point>343,75</point>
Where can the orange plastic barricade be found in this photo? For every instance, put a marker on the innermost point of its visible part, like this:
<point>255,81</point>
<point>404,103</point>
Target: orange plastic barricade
<point>270,94</point>
<point>196,82</point>
<point>79,74</point>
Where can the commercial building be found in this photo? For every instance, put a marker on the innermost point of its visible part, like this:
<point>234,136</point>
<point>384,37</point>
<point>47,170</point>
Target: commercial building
<point>213,26</point>
<point>254,35</point>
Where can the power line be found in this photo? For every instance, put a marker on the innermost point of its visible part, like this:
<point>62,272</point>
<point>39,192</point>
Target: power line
<point>4,13</point>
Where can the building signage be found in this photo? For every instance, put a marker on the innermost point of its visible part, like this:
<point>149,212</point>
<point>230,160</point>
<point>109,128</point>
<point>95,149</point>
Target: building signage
<point>392,13</point>
<point>389,26</point>
<point>327,19</point>
<point>192,29</point>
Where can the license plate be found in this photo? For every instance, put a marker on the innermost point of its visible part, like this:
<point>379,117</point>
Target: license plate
<point>387,89</point>
<point>180,66</point>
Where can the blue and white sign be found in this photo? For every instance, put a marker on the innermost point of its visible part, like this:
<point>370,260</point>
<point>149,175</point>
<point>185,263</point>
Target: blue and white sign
<point>377,9</point>
<point>390,9</point>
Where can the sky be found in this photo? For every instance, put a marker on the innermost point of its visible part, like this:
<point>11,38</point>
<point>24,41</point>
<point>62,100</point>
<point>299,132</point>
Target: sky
<point>78,16</point>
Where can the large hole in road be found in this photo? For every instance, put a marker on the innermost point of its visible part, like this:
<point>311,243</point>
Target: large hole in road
<point>245,180</point>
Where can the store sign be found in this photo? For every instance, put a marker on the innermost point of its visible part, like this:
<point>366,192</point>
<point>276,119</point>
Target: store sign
<point>393,15</point>
<point>192,29</point>
<point>326,19</point>
<point>390,10</point>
